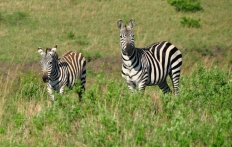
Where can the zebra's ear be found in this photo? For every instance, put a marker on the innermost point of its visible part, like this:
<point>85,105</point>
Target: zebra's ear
<point>131,23</point>
<point>120,23</point>
<point>54,48</point>
<point>40,51</point>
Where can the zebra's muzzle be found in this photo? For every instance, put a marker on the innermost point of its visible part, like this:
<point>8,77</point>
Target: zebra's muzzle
<point>129,49</point>
<point>45,77</point>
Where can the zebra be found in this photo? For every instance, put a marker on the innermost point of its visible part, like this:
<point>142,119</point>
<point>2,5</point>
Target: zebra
<point>148,66</point>
<point>63,71</point>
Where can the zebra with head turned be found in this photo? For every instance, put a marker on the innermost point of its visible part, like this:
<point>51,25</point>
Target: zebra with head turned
<point>150,65</point>
<point>63,71</point>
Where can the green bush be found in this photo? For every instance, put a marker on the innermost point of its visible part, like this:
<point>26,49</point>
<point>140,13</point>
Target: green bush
<point>189,22</point>
<point>71,35</point>
<point>186,5</point>
<point>3,130</point>
<point>201,114</point>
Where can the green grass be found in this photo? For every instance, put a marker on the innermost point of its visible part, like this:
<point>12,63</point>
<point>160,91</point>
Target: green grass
<point>109,114</point>
<point>31,24</point>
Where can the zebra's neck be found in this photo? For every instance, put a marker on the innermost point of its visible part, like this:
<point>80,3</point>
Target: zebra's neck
<point>55,73</point>
<point>128,60</point>
<point>127,56</point>
<point>127,50</point>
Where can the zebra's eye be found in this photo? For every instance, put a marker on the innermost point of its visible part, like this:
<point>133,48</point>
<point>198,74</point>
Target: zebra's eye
<point>50,62</point>
<point>120,36</point>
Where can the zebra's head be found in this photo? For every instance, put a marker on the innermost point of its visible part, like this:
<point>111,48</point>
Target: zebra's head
<point>126,37</point>
<point>49,58</point>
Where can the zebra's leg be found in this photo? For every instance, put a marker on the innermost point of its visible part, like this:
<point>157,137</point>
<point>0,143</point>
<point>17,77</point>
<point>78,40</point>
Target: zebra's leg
<point>164,86</point>
<point>80,92</point>
<point>131,85</point>
<point>175,81</point>
<point>80,85</point>
<point>49,88</point>
<point>83,81</point>
<point>142,86</point>
<point>61,90</point>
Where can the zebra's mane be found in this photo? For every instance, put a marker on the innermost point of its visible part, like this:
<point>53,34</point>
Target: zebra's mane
<point>149,46</point>
<point>48,50</point>
<point>125,26</point>
<point>55,54</point>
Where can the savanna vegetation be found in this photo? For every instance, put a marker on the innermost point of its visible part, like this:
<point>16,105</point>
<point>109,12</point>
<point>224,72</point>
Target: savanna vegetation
<point>109,115</point>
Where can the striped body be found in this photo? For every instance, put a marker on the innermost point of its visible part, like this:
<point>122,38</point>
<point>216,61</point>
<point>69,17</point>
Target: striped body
<point>151,65</point>
<point>63,71</point>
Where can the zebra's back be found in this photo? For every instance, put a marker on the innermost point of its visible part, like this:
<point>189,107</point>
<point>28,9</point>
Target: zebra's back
<point>76,67</point>
<point>164,58</point>
<point>165,53</point>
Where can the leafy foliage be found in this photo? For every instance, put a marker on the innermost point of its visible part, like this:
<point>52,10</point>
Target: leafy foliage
<point>204,105</point>
<point>186,5</point>
<point>70,35</point>
<point>189,22</point>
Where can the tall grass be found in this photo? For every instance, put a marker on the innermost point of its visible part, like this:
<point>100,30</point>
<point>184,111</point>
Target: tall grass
<point>111,116</point>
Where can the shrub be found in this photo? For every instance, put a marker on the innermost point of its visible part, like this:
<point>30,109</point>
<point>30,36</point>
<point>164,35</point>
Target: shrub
<point>189,22</point>
<point>186,5</point>
<point>71,35</point>
<point>201,114</point>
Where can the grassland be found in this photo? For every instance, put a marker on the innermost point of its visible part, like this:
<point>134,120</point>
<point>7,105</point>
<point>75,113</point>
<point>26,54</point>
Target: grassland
<point>109,115</point>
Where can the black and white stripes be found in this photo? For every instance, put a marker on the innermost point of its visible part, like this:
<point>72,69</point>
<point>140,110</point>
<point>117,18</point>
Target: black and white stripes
<point>63,71</point>
<point>149,65</point>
